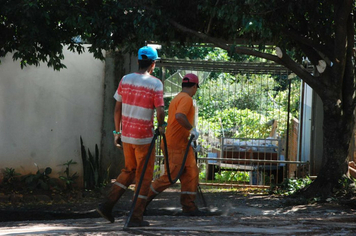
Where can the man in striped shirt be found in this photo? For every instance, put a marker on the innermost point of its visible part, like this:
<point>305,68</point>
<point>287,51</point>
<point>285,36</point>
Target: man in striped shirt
<point>137,97</point>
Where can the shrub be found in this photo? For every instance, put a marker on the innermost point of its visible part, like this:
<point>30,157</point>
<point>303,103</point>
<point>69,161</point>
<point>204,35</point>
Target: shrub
<point>40,180</point>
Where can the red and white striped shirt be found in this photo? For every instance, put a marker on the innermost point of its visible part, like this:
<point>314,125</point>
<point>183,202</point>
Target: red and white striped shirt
<point>140,94</point>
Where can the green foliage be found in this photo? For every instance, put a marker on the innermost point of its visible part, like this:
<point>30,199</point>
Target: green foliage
<point>202,175</point>
<point>10,175</point>
<point>198,51</point>
<point>157,171</point>
<point>233,176</point>
<point>202,171</point>
<point>69,179</point>
<point>282,97</point>
<point>290,186</point>
<point>346,187</point>
<point>93,175</point>
<point>241,105</point>
<point>40,180</point>
<point>236,123</point>
<point>36,30</point>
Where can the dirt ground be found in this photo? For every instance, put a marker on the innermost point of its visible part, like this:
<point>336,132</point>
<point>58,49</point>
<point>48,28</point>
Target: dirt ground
<point>227,213</point>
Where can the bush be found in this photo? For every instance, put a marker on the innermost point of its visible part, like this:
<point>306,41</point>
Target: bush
<point>10,175</point>
<point>290,186</point>
<point>40,180</point>
<point>233,176</point>
<point>69,179</point>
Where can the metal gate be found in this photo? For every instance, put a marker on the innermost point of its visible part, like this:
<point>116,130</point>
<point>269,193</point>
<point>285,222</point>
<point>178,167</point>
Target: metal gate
<point>244,118</point>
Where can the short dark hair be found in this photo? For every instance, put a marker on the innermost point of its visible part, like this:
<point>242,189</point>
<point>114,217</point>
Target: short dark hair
<point>188,85</point>
<point>145,63</point>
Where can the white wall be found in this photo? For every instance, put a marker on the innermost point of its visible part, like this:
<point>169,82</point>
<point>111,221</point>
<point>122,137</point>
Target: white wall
<point>44,112</point>
<point>116,66</point>
<point>306,127</point>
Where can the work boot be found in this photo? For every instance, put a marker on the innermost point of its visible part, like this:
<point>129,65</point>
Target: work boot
<point>196,212</point>
<point>105,209</point>
<point>147,203</point>
<point>105,212</point>
<point>138,223</point>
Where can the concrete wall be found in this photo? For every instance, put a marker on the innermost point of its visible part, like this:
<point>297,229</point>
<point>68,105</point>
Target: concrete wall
<point>44,112</point>
<point>311,140</point>
<point>306,122</point>
<point>117,65</point>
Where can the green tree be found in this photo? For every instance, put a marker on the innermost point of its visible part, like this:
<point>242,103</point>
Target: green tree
<point>322,31</point>
<point>241,105</point>
<point>36,31</point>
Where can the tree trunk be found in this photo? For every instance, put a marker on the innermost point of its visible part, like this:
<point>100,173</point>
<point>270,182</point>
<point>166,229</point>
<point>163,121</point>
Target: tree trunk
<point>338,128</point>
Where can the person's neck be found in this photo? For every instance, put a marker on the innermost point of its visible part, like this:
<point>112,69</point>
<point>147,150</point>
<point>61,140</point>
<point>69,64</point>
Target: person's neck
<point>188,91</point>
<point>143,71</point>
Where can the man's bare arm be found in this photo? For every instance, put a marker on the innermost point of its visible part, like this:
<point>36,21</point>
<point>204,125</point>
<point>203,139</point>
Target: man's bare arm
<point>183,121</point>
<point>117,116</point>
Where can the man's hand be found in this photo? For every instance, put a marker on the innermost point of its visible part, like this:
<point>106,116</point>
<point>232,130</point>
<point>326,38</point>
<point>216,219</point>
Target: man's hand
<point>117,140</point>
<point>161,130</point>
<point>196,148</point>
<point>195,133</point>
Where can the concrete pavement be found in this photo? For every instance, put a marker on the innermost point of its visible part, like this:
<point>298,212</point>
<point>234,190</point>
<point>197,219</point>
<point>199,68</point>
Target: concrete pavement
<point>253,221</point>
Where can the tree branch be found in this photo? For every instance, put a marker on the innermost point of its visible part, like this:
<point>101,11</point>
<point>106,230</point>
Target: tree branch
<point>320,49</point>
<point>211,18</point>
<point>349,83</point>
<point>343,10</point>
<point>285,60</point>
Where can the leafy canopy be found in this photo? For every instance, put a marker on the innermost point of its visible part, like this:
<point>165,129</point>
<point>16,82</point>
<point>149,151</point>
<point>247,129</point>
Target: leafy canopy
<point>36,30</point>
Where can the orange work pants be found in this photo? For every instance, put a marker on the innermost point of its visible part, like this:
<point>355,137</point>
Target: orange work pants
<point>189,178</point>
<point>135,157</point>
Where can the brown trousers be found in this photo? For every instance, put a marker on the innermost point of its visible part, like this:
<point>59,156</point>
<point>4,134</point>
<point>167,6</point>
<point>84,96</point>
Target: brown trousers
<point>189,178</point>
<point>135,157</point>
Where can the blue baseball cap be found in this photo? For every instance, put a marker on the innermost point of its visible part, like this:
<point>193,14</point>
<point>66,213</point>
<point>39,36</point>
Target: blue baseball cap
<point>149,52</point>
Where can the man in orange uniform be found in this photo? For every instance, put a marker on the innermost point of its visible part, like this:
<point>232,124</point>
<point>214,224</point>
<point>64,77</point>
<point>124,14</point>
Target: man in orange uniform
<point>179,127</point>
<point>137,96</point>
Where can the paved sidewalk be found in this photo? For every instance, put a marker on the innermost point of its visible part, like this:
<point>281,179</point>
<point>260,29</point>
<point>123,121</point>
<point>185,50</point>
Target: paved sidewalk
<point>251,221</point>
<point>236,214</point>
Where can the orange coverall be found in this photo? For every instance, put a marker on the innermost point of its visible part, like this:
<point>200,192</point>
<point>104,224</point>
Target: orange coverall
<point>177,140</point>
<point>128,175</point>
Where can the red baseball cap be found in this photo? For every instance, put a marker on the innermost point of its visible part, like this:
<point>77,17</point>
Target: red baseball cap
<point>191,78</point>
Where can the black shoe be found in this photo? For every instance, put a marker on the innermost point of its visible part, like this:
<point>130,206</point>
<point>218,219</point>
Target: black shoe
<point>105,213</point>
<point>147,203</point>
<point>196,212</point>
<point>134,223</point>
